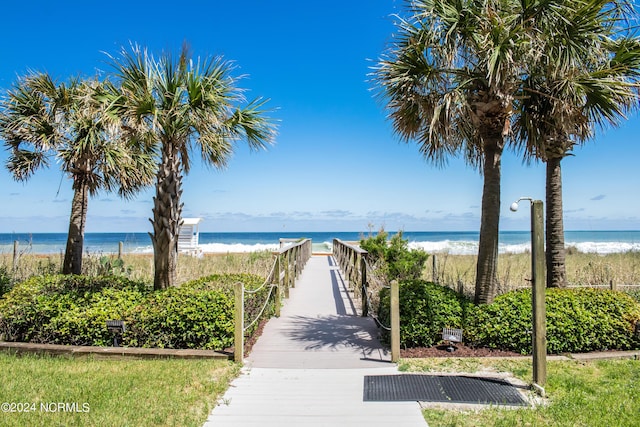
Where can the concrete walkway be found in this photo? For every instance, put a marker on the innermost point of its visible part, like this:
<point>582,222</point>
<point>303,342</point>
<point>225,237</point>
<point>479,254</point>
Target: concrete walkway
<point>308,367</point>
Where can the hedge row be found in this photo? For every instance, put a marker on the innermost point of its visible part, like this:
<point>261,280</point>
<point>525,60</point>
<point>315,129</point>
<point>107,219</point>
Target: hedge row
<point>199,314</point>
<point>578,320</point>
<point>74,309</point>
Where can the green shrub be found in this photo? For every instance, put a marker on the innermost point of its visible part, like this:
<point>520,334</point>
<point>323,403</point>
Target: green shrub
<point>6,281</point>
<point>74,310</point>
<point>182,318</point>
<point>578,320</point>
<point>67,309</point>
<point>635,294</point>
<point>254,300</point>
<point>425,309</point>
<point>393,257</point>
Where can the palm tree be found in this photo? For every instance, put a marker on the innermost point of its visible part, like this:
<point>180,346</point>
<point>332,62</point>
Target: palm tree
<point>41,119</point>
<point>182,105</point>
<point>586,78</point>
<point>449,81</point>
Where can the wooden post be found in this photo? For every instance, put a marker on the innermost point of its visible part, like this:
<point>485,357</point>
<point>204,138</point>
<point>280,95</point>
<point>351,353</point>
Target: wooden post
<point>434,270</point>
<point>395,321</point>
<point>238,353</point>
<point>120,247</point>
<point>612,285</point>
<point>276,277</point>
<point>538,294</point>
<point>15,255</point>
<point>286,275</point>
<point>364,285</point>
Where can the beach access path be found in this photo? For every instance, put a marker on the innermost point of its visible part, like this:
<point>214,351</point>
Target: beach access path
<point>308,366</point>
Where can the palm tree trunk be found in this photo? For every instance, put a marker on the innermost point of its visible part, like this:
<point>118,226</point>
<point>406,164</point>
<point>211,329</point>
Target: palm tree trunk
<point>486,276</point>
<point>72,263</point>
<point>166,218</point>
<point>556,269</point>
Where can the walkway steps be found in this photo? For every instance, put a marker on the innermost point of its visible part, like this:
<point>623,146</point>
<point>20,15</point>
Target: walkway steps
<point>308,367</point>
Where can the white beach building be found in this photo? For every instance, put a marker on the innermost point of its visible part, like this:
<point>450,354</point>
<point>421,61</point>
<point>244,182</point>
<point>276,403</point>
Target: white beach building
<point>189,236</point>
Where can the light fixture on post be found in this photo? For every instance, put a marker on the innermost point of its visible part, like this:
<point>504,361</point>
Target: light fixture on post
<point>539,339</point>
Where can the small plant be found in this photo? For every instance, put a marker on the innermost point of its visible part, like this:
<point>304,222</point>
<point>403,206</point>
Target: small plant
<point>393,257</point>
<point>110,266</point>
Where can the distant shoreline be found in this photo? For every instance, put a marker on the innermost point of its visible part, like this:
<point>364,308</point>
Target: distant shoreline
<point>453,242</point>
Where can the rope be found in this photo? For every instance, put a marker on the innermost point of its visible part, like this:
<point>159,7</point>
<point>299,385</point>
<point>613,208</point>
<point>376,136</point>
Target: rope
<point>371,272</point>
<point>375,318</point>
<point>266,301</point>
<point>265,282</point>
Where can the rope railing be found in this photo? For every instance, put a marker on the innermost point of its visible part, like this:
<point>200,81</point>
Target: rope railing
<point>369,293</point>
<point>262,310</point>
<point>287,265</point>
<point>352,260</point>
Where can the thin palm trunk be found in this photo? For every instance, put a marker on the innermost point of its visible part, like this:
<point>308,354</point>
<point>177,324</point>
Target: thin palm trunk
<point>486,276</point>
<point>166,218</point>
<point>75,239</point>
<point>555,253</point>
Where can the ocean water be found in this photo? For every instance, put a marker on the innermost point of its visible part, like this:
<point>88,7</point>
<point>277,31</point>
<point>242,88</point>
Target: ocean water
<point>453,242</point>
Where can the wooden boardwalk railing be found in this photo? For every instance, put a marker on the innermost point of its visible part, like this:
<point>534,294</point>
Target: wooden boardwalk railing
<point>352,260</point>
<point>287,266</point>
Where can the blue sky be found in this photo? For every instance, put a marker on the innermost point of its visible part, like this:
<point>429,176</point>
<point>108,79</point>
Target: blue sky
<point>336,165</point>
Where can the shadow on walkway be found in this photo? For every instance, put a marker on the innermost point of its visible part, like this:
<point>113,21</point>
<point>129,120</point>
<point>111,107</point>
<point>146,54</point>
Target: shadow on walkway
<point>335,332</point>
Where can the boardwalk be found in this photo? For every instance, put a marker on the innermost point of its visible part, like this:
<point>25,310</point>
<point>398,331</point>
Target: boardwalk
<point>308,367</point>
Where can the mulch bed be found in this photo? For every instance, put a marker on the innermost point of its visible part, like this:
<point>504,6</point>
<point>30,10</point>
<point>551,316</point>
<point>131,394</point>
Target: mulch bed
<point>251,340</point>
<point>461,350</point>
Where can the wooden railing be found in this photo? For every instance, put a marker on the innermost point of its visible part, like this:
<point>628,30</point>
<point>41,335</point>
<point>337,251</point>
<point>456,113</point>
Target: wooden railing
<point>290,260</point>
<point>287,266</point>
<point>352,260</point>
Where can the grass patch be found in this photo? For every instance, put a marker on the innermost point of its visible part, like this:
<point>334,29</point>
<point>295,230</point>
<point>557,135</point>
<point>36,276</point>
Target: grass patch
<point>594,393</point>
<point>163,392</point>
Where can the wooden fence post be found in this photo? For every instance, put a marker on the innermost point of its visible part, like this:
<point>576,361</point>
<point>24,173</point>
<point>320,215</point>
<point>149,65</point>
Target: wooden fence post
<point>363,285</point>
<point>276,274</point>
<point>434,270</point>
<point>15,256</point>
<point>238,353</point>
<point>120,247</point>
<point>395,321</point>
<point>287,263</point>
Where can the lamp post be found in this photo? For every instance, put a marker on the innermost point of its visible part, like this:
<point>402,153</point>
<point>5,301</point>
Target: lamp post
<point>539,339</point>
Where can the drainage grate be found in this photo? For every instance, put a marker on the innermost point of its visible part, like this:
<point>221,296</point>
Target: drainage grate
<point>440,388</point>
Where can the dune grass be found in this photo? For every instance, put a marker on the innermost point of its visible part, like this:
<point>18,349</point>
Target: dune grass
<point>94,392</point>
<point>140,266</point>
<point>455,271</point>
<point>514,270</point>
<point>593,393</point>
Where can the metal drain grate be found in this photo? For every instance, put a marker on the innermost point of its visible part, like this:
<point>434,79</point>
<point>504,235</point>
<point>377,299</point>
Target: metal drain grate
<point>440,388</point>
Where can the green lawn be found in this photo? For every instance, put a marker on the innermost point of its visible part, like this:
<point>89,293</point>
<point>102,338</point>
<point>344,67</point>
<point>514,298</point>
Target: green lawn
<point>598,393</point>
<point>62,391</point>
